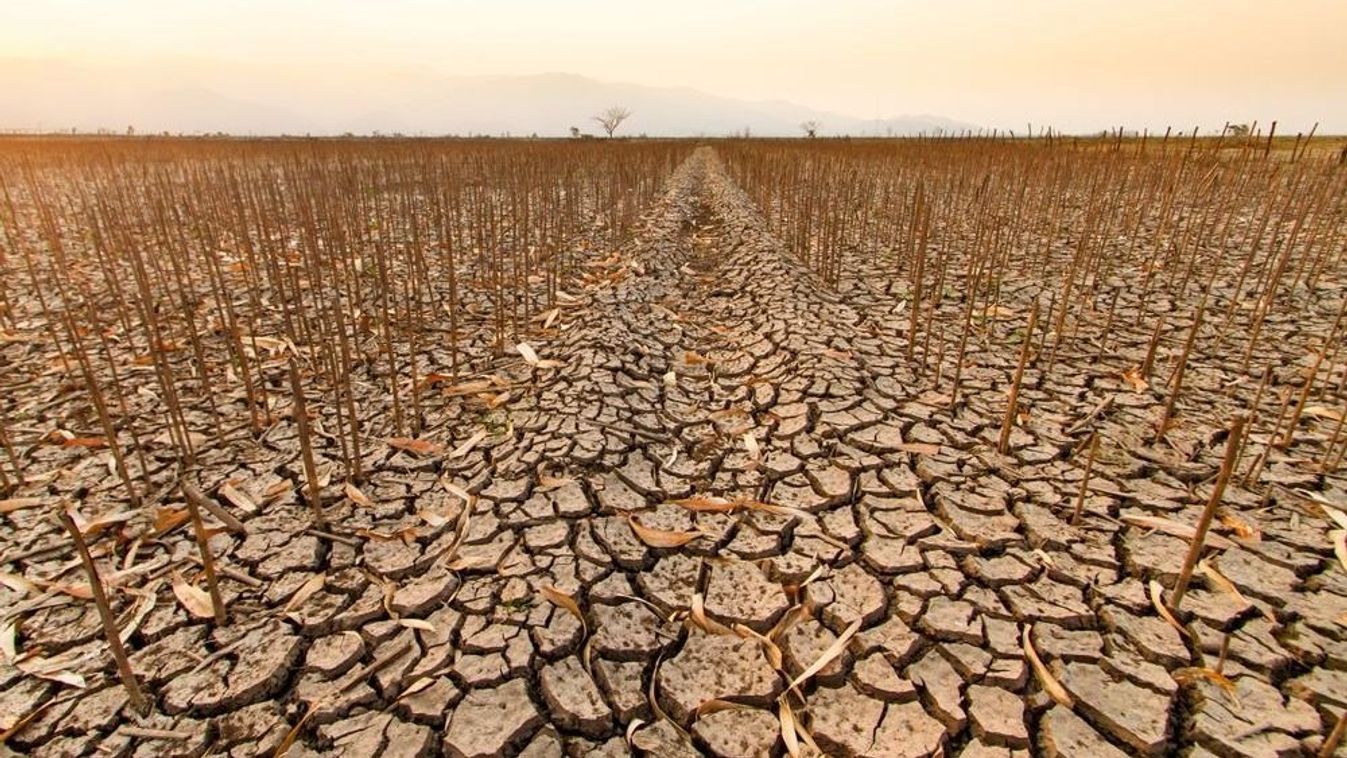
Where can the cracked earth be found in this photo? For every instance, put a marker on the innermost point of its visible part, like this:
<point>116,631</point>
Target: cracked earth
<point>737,475</point>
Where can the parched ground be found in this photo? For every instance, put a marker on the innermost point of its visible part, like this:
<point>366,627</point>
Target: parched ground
<point>732,469</point>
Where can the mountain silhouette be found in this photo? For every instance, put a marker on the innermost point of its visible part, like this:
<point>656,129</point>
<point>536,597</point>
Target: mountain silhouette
<point>189,96</point>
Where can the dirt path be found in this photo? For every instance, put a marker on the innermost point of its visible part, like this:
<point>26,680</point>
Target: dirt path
<point>730,469</point>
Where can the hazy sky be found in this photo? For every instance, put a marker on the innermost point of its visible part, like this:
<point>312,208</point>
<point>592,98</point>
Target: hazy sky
<point>1076,64</point>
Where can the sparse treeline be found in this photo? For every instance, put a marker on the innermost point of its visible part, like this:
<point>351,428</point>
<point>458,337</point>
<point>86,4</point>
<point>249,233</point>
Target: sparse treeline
<point>173,286</point>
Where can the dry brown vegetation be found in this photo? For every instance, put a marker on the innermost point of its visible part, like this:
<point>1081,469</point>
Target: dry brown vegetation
<point>251,380</point>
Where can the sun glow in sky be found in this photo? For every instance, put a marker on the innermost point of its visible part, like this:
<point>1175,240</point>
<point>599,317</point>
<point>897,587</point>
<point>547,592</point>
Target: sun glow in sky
<point>1079,65</point>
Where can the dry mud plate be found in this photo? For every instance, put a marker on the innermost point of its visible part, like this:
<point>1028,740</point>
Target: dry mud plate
<point>715,508</point>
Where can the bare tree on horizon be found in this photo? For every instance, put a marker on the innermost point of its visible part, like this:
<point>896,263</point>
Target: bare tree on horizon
<point>612,118</point>
<point>810,128</point>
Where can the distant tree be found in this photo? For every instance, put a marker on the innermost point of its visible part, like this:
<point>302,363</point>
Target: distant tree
<point>1238,130</point>
<point>575,132</point>
<point>130,131</point>
<point>612,118</point>
<point>810,128</point>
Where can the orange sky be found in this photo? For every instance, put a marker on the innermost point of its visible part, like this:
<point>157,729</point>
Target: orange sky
<point>1076,64</point>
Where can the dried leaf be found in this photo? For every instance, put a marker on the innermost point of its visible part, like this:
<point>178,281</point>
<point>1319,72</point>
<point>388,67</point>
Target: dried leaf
<point>837,355</point>
<point>526,350</point>
<point>305,591</point>
<point>421,624</point>
<point>1134,379</point>
<point>547,483</point>
<point>661,537</point>
<point>1157,600</point>
<point>769,648</point>
<point>1340,546</point>
<point>1046,680</point>
<point>53,669</point>
<point>631,729</point>
<point>698,616</point>
<point>828,655</point>
<point>239,500</point>
<point>419,447</point>
<point>1193,673</point>
<point>86,442</point>
<point>1242,528</point>
<point>17,583</point>
<point>693,358</point>
<point>706,504</point>
<point>19,503</point>
<point>1335,515</point>
<point>359,498</point>
<point>7,642</point>
<point>751,445</point>
<point>467,446</point>
<point>1322,412</point>
<point>562,600</point>
<point>788,736</point>
<point>193,598</point>
<point>532,359</point>
<point>715,705</point>
<point>168,519</point>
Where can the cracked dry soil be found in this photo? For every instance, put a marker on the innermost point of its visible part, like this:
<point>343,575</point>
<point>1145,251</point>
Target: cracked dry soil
<point>891,520</point>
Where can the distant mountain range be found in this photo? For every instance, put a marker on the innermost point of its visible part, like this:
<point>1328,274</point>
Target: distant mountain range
<point>194,97</point>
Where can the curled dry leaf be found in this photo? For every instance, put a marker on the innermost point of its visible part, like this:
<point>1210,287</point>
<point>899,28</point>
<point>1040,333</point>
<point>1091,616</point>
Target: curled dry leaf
<point>562,600</point>
<point>419,447</point>
<point>631,729</point>
<point>1194,673</point>
<point>1157,600</point>
<point>769,648</point>
<point>359,498</point>
<point>1045,678</point>
<point>193,598</point>
<point>697,615</point>
<point>1340,546</point>
<point>421,624</point>
<point>660,537</point>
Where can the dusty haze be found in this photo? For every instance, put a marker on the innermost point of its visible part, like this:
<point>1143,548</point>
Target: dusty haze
<point>709,67</point>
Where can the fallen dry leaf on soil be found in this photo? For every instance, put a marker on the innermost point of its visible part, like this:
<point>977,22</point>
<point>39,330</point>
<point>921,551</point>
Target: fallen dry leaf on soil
<point>419,447</point>
<point>1045,678</point>
<point>562,600</point>
<point>193,598</point>
<point>661,537</point>
<point>359,498</point>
